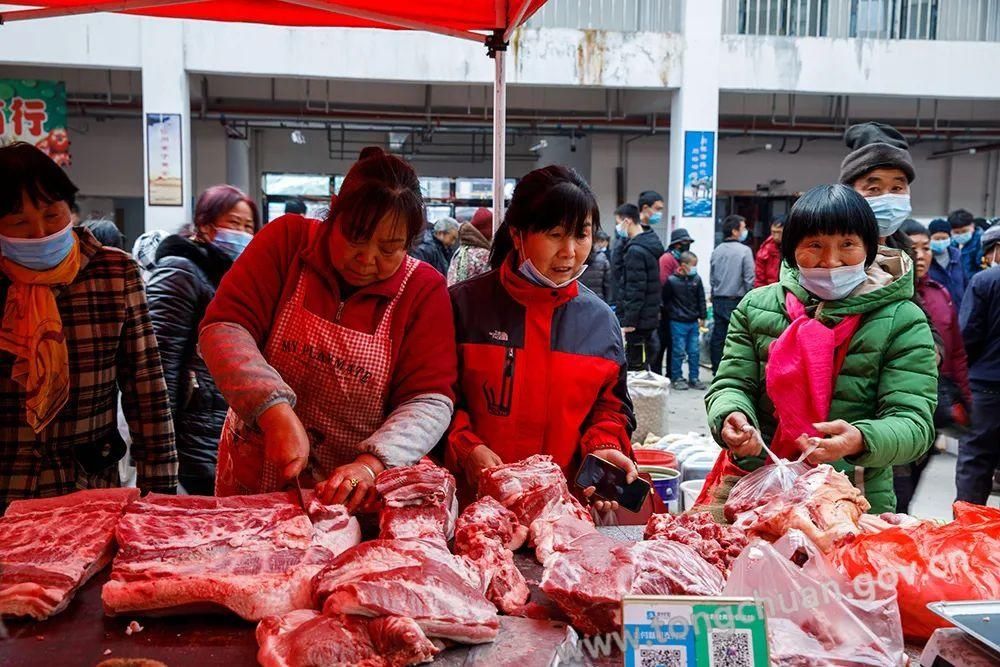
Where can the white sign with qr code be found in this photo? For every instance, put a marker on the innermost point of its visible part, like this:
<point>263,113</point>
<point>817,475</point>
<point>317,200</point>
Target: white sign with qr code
<point>688,631</point>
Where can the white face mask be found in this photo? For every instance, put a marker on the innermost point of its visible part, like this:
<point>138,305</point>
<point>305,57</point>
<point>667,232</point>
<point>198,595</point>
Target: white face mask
<point>529,271</point>
<point>891,211</point>
<point>832,284</point>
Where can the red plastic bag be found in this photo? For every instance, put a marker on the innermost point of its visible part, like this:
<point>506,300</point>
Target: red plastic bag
<point>814,614</point>
<point>930,562</point>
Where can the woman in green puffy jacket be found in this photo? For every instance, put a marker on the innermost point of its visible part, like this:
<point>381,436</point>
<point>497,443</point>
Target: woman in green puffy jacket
<point>836,351</point>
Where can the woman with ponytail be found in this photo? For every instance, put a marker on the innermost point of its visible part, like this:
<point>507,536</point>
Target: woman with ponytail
<point>542,363</point>
<point>334,350</point>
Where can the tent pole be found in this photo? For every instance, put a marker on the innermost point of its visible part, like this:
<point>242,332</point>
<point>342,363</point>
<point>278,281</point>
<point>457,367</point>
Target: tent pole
<point>498,51</point>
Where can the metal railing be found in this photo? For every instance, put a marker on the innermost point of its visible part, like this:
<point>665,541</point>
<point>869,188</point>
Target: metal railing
<point>958,20</point>
<point>612,15</point>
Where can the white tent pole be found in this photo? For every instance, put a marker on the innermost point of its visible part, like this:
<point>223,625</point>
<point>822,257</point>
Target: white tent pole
<point>498,51</point>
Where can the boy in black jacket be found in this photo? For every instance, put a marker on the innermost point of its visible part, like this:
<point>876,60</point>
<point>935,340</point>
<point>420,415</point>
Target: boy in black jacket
<point>684,302</point>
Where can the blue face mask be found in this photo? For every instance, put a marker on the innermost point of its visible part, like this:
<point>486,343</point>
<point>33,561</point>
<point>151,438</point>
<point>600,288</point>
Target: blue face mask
<point>620,233</point>
<point>231,242</point>
<point>744,235</point>
<point>656,218</point>
<point>940,246</point>
<point>961,239</point>
<point>891,211</point>
<point>692,271</point>
<point>39,254</point>
<point>832,284</point>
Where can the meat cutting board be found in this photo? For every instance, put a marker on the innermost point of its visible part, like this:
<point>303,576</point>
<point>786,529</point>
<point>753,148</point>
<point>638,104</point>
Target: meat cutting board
<point>79,636</point>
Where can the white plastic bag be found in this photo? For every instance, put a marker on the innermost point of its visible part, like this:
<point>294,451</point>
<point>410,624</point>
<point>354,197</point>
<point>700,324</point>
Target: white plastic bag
<point>815,615</point>
<point>649,393</point>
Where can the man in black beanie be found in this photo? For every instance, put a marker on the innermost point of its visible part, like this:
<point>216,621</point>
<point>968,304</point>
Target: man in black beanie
<point>880,168</point>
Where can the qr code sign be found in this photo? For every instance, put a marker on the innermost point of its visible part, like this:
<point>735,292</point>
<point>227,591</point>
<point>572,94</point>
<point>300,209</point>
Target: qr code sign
<point>663,656</point>
<point>731,648</point>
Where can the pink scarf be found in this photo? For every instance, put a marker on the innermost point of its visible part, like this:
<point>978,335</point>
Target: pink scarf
<point>802,368</point>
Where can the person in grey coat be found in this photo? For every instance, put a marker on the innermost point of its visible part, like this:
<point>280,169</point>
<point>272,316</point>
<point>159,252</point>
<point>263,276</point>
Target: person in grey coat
<point>598,277</point>
<point>732,276</point>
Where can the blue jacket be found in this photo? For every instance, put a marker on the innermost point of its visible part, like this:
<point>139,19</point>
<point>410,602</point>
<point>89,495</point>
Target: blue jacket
<point>952,278</point>
<point>980,321</point>
<point>972,254</point>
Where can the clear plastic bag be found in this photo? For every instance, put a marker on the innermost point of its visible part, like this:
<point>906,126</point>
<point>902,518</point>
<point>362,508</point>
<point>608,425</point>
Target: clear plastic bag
<point>814,614</point>
<point>767,482</point>
<point>759,487</point>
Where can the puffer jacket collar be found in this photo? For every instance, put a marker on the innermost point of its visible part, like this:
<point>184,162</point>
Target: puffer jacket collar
<point>870,296</point>
<point>212,261</point>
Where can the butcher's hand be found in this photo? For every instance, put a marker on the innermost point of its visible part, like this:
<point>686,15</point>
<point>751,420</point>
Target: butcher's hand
<point>844,440</point>
<point>618,458</point>
<point>353,484</point>
<point>479,459</point>
<point>737,433</point>
<point>286,444</point>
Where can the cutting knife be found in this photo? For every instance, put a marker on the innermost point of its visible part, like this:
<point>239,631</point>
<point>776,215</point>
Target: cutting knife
<point>300,493</point>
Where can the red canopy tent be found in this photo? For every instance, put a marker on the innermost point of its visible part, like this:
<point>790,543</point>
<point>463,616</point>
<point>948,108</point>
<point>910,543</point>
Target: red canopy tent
<point>488,21</point>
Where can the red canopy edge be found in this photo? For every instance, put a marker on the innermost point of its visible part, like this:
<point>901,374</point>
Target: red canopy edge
<point>457,18</point>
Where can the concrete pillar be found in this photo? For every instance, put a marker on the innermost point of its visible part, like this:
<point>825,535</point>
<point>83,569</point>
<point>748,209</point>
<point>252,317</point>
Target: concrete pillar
<point>695,108</point>
<point>238,163</point>
<point>165,91</point>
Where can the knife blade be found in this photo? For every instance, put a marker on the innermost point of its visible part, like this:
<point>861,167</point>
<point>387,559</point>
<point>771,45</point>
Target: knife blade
<point>300,494</point>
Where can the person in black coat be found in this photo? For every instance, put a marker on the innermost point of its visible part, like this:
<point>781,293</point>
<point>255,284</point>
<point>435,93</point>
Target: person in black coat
<point>684,303</point>
<point>616,251</point>
<point>638,293</point>
<point>188,270</point>
<point>598,277</point>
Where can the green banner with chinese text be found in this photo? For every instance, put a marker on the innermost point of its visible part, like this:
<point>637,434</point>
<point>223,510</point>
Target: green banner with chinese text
<point>35,112</point>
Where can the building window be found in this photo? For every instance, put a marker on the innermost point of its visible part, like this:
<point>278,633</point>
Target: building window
<point>783,18</point>
<point>894,19</point>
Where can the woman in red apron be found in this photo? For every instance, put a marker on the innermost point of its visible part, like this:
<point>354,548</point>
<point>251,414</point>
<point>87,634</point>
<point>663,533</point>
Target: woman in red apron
<point>334,349</point>
<point>836,350</point>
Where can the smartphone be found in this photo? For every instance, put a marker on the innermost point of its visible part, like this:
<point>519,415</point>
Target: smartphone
<point>609,483</point>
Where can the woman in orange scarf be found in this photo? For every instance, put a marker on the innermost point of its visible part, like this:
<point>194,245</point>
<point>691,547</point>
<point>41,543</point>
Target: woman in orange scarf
<point>74,330</point>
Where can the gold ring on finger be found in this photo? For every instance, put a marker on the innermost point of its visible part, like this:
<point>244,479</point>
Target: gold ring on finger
<point>354,482</point>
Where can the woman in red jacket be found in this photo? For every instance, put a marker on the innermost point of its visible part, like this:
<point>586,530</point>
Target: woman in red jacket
<point>334,350</point>
<point>542,364</point>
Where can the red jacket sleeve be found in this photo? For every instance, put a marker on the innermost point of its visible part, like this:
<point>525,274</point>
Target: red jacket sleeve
<point>427,361</point>
<point>611,420</point>
<point>250,291</point>
<point>461,441</point>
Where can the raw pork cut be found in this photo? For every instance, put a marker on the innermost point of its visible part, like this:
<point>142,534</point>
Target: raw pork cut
<point>530,489</point>
<point>306,638</point>
<point>253,555</point>
<point>588,576</point>
<point>49,547</point>
<point>488,534</point>
<point>822,503</point>
<point>442,592</point>
<point>535,491</point>
<point>719,545</point>
<point>419,503</point>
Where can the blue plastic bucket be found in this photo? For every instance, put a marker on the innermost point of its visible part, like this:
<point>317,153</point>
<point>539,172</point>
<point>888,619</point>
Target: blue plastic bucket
<point>666,482</point>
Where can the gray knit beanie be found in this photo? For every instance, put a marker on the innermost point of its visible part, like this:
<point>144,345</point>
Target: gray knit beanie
<point>875,145</point>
